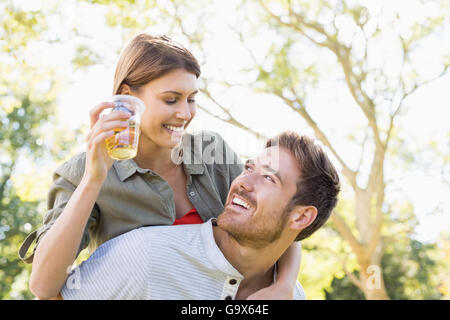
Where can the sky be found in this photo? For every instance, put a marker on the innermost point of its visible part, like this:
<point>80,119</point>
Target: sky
<point>426,117</point>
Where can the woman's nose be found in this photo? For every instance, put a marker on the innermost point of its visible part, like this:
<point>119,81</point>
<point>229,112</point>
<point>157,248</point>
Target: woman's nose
<point>184,112</point>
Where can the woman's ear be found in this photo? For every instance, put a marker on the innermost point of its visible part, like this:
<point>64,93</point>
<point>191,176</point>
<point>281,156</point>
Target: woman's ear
<point>124,89</point>
<point>302,217</point>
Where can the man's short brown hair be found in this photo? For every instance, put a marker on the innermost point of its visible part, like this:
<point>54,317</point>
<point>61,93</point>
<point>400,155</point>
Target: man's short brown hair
<point>318,184</point>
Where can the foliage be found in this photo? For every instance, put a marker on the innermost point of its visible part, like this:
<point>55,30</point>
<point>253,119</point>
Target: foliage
<point>352,37</point>
<point>409,273</point>
<point>29,140</point>
<point>301,45</point>
<point>412,269</point>
<point>343,289</point>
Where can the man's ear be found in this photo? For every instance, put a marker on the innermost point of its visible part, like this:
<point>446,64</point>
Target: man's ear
<point>302,217</point>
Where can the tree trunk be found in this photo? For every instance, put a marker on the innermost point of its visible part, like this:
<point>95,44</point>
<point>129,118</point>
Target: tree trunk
<point>371,273</point>
<point>372,282</point>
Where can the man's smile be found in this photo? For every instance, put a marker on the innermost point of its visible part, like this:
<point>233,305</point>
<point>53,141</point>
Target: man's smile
<point>241,204</point>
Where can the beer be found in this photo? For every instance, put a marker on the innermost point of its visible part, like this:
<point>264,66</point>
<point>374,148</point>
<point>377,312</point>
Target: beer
<point>123,144</point>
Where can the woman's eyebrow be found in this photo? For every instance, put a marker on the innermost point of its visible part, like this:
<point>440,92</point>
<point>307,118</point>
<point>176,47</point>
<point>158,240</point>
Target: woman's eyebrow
<point>179,93</point>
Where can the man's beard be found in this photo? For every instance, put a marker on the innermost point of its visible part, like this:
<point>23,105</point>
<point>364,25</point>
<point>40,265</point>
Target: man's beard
<point>256,232</point>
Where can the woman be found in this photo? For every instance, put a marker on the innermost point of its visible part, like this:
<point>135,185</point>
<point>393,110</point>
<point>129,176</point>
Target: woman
<point>94,198</point>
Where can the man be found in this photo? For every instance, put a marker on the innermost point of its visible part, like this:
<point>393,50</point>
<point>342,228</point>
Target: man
<point>284,195</point>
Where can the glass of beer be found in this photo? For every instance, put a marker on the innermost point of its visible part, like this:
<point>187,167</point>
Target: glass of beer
<point>124,143</point>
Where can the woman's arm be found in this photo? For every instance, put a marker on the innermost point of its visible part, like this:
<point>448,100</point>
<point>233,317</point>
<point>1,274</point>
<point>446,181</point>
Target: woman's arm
<point>58,248</point>
<point>288,268</point>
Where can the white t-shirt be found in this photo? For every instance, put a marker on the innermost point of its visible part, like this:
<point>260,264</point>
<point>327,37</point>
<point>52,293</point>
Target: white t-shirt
<point>179,262</point>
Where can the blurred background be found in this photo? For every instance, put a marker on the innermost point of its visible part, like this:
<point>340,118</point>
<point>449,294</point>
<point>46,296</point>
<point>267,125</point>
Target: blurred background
<point>369,80</point>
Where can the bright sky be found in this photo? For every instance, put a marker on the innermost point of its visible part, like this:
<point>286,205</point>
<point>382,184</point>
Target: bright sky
<point>426,117</point>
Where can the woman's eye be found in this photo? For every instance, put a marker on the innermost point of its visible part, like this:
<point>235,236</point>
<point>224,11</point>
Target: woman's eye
<point>247,168</point>
<point>191,100</point>
<point>171,101</point>
<point>269,178</point>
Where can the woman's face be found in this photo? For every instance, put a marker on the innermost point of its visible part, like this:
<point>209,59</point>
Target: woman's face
<point>170,107</point>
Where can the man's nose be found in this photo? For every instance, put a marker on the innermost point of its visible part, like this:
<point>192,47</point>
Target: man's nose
<point>245,183</point>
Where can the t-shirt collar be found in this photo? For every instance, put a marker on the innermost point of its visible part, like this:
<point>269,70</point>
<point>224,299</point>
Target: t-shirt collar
<point>213,252</point>
<point>216,255</point>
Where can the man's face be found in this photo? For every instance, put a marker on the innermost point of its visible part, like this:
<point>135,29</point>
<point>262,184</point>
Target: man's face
<point>254,212</point>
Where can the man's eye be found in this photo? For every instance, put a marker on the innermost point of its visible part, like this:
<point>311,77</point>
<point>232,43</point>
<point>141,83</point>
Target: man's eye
<point>171,101</point>
<point>269,178</point>
<point>191,100</point>
<point>247,168</point>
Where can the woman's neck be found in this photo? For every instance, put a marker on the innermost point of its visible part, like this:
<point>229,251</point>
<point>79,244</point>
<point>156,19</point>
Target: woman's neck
<point>154,157</point>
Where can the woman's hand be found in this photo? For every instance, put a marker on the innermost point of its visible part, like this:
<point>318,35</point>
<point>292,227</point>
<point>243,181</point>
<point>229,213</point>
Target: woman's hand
<point>98,162</point>
<point>276,291</point>
<point>288,267</point>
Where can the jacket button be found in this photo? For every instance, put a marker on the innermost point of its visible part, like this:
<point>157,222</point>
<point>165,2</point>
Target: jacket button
<point>228,298</point>
<point>233,281</point>
<point>192,193</point>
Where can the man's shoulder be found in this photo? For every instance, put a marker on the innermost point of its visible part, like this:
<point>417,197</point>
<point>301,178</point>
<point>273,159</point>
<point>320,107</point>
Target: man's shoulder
<point>169,233</point>
<point>129,242</point>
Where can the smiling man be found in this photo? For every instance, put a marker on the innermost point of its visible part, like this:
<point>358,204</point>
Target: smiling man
<point>283,195</point>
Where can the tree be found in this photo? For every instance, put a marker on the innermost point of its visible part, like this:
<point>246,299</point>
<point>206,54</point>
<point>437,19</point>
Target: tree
<point>29,139</point>
<point>290,49</point>
<point>353,37</point>
<point>410,272</point>
<point>444,276</point>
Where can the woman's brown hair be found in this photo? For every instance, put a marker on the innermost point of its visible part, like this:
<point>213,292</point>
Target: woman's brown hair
<point>147,58</point>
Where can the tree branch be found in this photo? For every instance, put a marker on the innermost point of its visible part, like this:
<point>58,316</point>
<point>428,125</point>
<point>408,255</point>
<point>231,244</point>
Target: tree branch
<point>7,173</point>
<point>342,53</point>
<point>354,279</point>
<point>357,282</point>
<point>359,96</point>
<point>231,119</point>
<point>5,180</point>
<point>404,96</point>
<point>348,173</point>
<point>294,26</point>
<point>376,187</point>
<point>376,233</point>
<point>363,151</point>
<point>344,230</point>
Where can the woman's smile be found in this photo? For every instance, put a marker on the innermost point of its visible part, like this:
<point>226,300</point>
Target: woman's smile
<point>175,130</point>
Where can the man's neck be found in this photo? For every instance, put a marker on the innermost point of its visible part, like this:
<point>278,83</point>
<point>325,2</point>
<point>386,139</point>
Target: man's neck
<point>256,265</point>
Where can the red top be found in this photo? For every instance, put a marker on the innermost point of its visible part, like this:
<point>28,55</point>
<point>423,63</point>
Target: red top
<point>192,217</point>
